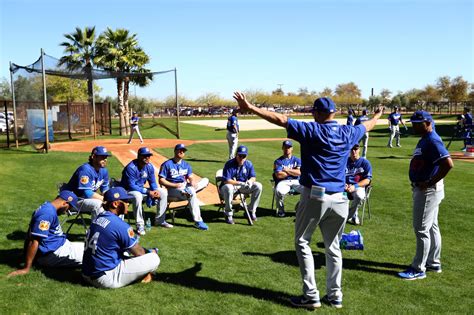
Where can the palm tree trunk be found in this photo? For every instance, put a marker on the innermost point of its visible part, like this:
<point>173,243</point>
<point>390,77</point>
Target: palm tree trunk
<point>121,110</point>
<point>126,88</point>
<point>90,96</point>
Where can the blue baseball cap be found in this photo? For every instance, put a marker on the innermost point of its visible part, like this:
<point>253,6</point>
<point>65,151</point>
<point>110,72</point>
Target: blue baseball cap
<point>287,143</point>
<point>100,150</point>
<point>421,116</point>
<point>180,146</point>
<point>242,150</point>
<point>69,197</point>
<point>145,151</point>
<point>117,193</point>
<point>324,104</point>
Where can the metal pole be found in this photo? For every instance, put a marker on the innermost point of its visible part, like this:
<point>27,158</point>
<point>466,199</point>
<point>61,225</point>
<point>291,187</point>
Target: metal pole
<point>93,108</point>
<point>14,106</point>
<point>45,101</point>
<point>176,101</point>
<point>7,124</point>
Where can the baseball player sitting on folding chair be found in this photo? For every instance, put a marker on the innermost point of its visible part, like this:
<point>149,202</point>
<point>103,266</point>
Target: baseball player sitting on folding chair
<point>358,176</point>
<point>286,173</point>
<point>177,176</point>
<point>239,175</point>
<point>46,243</point>
<point>134,177</point>
<point>88,179</point>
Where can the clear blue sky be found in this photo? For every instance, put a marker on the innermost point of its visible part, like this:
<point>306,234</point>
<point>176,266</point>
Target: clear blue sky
<point>221,46</point>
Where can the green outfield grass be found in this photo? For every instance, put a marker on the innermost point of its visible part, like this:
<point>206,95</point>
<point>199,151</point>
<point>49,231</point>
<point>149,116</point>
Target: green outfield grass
<point>241,269</point>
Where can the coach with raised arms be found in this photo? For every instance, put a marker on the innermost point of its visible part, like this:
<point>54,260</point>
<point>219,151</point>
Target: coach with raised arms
<point>325,147</point>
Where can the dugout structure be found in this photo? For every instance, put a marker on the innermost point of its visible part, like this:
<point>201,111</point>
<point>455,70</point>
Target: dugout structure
<point>36,115</point>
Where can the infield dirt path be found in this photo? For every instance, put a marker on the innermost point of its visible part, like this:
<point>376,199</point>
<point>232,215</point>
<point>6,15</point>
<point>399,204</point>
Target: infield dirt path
<point>126,152</point>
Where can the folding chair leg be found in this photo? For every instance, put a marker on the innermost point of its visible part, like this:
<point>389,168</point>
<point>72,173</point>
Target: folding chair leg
<point>79,214</point>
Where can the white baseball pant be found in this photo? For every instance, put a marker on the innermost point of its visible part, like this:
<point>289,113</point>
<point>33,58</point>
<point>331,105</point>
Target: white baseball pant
<point>68,255</point>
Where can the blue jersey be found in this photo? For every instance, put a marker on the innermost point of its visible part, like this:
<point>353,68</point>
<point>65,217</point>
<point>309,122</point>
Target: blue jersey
<point>175,172</point>
<point>361,119</point>
<point>350,120</point>
<point>324,151</point>
<point>292,162</point>
<point>394,118</point>
<point>107,239</point>
<point>135,179</point>
<point>232,124</point>
<point>358,170</point>
<point>45,225</point>
<point>232,170</point>
<point>428,153</point>
<point>86,177</point>
<point>134,121</point>
<point>468,121</point>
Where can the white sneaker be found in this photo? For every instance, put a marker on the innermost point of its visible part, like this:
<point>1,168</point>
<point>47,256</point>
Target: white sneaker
<point>141,230</point>
<point>166,225</point>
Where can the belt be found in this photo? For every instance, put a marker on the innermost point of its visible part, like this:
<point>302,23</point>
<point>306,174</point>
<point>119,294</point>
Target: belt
<point>332,192</point>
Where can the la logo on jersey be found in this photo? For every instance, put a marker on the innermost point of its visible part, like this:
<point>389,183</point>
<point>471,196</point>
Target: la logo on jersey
<point>84,180</point>
<point>44,225</point>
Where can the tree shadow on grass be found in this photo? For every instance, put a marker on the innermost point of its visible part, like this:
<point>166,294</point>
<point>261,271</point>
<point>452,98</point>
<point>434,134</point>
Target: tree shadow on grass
<point>289,258</point>
<point>188,278</point>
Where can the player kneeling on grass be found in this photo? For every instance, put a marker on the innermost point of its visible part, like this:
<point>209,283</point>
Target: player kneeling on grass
<point>108,238</point>
<point>177,176</point>
<point>358,176</point>
<point>46,241</point>
<point>239,175</point>
<point>134,177</point>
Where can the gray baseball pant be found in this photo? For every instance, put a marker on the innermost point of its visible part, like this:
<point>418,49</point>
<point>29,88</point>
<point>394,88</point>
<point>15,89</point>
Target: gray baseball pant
<point>365,144</point>
<point>255,192</point>
<point>193,199</point>
<point>137,204</point>
<point>359,196</point>
<point>394,133</point>
<point>283,188</point>
<point>137,130</point>
<point>127,271</point>
<point>233,141</point>
<point>92,206</point>
<point>68,255</point>
<point>330,214</point>
<point>425,224</point>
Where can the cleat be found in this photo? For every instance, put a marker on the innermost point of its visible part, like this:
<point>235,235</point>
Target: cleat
<point>201,226</point>
<point>332,303</point>
<point>412,274</point>
<point>435,269</point>
<point>301,301</point>
<point>229,220</point>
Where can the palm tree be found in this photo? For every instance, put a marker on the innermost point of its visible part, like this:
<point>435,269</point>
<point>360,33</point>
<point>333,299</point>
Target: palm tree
<point>80,53</point>
<point>119,51</point>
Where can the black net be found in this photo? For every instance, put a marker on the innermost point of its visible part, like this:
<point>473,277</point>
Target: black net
<point>70,113</point>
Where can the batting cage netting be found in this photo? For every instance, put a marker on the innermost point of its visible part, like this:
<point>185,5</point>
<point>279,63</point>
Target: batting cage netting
<point>48,89</point>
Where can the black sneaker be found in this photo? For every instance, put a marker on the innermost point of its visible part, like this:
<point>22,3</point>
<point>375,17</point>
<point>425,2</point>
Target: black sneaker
<point>436,269</point>
<point>332,303</point>
<point>301,301</point>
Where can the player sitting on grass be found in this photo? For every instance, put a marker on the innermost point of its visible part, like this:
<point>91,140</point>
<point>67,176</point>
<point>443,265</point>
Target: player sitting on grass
<point>134,177</point>
<point>358,176</point>
<point>108,238</point>
<point>45,239</point>
<point>177,176</point>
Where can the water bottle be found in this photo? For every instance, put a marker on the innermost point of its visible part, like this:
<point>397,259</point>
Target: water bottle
<point>148,224</point>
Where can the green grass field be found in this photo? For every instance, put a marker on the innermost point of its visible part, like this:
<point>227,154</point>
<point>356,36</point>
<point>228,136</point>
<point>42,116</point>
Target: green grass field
<point>241,269</point>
